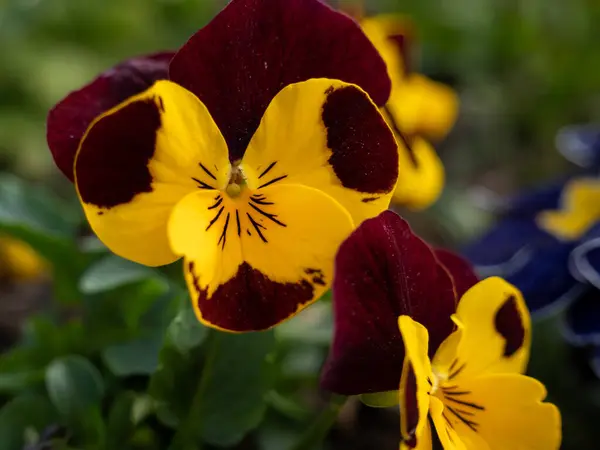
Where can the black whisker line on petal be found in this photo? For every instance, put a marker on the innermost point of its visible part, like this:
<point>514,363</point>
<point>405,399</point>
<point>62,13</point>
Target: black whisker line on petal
<point>267,215</point>
<point>453,365</point>
<point>202,184</point>
<point>469,404</point>
<point>454,390</point>
<point>266,171</point>
<point>208,172</point>
<point>216,204</point>
<point>215,218</point>
<point>261,201</point>
<point>257,227</point>
<point>239,225</point>
<point>467,422</point>
<point>447,420</point>
<point>457,371</point>
<point>224,233</point>
<point>274,180</point>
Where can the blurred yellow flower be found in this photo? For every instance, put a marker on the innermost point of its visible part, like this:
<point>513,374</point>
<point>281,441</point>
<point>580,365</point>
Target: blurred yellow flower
<point>18,261</point>
<point>579,211</point>
<point>419,110</point>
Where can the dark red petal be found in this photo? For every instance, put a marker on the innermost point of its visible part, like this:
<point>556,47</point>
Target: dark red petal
<point>352,121</point>
<point>383,271</point>
<point>254,48</point>
<point>70,118</point>
<point>250,301</point>
<point>112,166</point>
<point>460,269</point>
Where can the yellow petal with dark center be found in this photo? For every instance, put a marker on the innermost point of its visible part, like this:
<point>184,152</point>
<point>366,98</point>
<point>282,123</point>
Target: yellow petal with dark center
<point>328,135</point>
<point>503,411</point>
<point>254,260</point>
<point>494,334</point>
<point>138,160</point>
<point>416,382</point>
<point>580,209</point>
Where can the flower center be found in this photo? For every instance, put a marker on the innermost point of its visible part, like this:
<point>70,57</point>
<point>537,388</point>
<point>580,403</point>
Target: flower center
<point>436,379</point>
<point>237,182</point>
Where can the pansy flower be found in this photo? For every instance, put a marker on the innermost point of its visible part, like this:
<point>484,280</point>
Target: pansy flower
<point>419,111</point>
<point>457,366</point>
<point>252,157</point>
<point>547,243</point>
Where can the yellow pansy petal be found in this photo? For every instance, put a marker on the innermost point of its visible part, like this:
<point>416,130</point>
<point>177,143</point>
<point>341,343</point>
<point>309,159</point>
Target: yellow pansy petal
<point>257,259</point>
<point>328,135</point>
<point>504,411</point>
<point>495,330</point>
<point>446,433</point>
<point>580,209</point>
<point>138,160</point>
<point>422,174</point>
<point>424,107</point>
<point>416,381</point>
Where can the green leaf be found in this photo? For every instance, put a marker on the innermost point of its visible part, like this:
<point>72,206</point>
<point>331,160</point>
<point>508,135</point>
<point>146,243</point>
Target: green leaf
<point>120,425</point>
<point>186,332</point>
<point>138,357</point>
<point>44,222</point>
<point>213,387</point>
<point>234,397</point>
<point>112,272</point>
<point>74,385</point>
<point>23,413</point>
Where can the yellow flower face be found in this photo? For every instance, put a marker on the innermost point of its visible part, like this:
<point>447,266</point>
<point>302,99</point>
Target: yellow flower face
<point>262,228</point>
<point>580,210</point>
<point>251,152</point>
<point>418,110</point>
<point>473,389</point>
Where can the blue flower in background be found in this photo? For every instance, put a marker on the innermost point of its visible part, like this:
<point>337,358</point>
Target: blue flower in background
<point>547,243</point>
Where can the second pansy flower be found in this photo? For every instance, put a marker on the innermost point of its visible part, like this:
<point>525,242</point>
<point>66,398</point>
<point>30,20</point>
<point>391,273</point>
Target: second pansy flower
<point>253,161</point>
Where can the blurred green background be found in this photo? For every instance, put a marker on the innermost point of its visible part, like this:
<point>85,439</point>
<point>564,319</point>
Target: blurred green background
<point>523,69</point>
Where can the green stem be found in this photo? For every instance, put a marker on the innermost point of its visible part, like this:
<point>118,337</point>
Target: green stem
<point>186,437</point>
<point>317,431</point>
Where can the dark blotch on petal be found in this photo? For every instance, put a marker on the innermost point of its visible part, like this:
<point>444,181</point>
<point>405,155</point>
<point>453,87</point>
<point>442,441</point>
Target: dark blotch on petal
<point>509,324</point>
<point>364,152</point>
<point>251,302</point>
<point>410,413</point>
<point>112,166</point>
<point>461,271</point>
<point>70,118</point>
<point>254,48</point>
<point>383,271</point>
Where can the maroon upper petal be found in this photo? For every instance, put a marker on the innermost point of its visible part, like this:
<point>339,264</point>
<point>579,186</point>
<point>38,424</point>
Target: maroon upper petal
<point>383,271</point>
<point>254,48</point>
<point>460,269</point>
<point>69,119</point>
